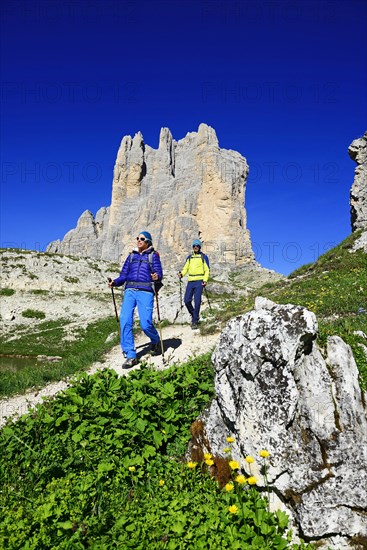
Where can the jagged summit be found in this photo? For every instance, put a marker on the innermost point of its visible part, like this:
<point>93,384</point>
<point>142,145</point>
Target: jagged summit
<point>358,193</point>
<point>183,190</point>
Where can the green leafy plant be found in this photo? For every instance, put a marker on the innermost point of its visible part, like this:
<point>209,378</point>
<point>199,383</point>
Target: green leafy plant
<point>69,279</point>
<point>102,466</point>
<point>33,314</point>
<point>7,291</point>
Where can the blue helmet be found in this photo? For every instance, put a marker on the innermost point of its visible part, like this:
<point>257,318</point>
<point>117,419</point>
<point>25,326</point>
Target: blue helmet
<point>196,242</point>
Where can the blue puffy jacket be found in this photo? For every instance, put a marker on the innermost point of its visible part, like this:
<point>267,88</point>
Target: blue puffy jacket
<point>137,271</point>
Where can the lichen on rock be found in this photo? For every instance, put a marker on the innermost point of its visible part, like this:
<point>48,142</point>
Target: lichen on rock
<point>275,390</point>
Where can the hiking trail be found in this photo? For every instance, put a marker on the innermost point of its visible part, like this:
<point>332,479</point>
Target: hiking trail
<point>180,343</point>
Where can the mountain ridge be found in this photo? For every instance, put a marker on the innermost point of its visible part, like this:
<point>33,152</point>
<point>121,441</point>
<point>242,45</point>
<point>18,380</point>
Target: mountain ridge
<point>185,189</point>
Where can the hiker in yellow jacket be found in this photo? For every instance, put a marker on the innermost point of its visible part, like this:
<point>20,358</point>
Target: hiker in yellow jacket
<point>198,270</point>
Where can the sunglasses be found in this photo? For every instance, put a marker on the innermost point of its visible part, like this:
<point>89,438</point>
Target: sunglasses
<point>141,239</point>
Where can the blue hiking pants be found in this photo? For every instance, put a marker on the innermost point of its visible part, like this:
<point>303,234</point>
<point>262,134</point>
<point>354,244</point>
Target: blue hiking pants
<point>145,302</point>
<point>194,289</point>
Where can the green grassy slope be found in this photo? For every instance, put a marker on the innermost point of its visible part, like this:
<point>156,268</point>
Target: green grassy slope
<point>77,354</point>
<point>334,288</point>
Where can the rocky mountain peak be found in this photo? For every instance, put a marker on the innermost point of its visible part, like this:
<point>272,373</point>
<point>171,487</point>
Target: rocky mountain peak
<point>207,135</point>
<point>165,136</point>
<point>183,190</point>
<point>358,193</point>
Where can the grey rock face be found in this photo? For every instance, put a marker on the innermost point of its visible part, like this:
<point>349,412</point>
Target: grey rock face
<point>183,190</point>
<point>358,193</point>
<point>361,243</point>
<point>275,390</point>
<point>86,239</point>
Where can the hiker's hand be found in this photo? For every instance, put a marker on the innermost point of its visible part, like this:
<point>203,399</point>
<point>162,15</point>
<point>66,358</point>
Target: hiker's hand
<point>179,275</point>
<point>204,283</point>
<point>111,284</point>
<point>155,276</point>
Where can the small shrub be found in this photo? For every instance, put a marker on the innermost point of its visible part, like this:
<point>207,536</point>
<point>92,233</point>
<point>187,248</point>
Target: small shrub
<point>71,279</point>
<point>7,292</point>
<point>33,314</point>
<point>165,323</point>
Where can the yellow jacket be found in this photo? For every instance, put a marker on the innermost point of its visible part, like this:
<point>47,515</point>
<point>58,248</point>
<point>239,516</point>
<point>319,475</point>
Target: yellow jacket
<point>197,267</point>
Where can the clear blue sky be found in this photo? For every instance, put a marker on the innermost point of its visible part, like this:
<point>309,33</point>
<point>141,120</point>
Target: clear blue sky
<point>283,83</point>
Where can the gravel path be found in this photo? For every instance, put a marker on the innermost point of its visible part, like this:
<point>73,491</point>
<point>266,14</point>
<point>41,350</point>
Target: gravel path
<point>180,343</point>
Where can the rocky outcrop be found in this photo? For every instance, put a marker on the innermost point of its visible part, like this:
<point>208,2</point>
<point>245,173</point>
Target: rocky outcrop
<point>183,190</point>
<point>358,194</point>
<point>275,390</point>
<point>86,239</point>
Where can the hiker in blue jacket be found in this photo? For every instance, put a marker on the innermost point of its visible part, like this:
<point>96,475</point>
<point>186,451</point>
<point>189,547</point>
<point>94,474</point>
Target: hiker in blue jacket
<point>197,269</point>
<point>141,274</point>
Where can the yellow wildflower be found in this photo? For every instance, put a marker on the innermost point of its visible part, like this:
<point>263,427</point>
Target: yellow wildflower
<point>192,464</point>
<point>229,487</point>
<point>252,480</point>
<point>230,439</point>
<point>250,459</point>
<point>207,456</point>
<point>209,462</point>
<point>233,509</point>
<point>264,453</point>
<point>161,482</point>
<point>233,464</point>
<point>240,479</point>
<point>132,468</point>
<point>227,450</point>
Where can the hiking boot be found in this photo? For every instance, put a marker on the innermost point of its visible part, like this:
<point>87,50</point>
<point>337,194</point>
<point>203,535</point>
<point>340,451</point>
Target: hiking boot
<point>194,326</point>
<point>131,362</point>
<point>155,349</point>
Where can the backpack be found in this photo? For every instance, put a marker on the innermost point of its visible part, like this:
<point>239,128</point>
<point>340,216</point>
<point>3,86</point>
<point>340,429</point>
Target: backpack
<point>204,258</point>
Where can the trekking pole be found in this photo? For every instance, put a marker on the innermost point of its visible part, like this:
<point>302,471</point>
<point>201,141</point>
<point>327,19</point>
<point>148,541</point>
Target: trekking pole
<point>114,303</point>
<point>207,297</point>
<point>180,294</point>
<point>181,306</point>
<point>159,322</point>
